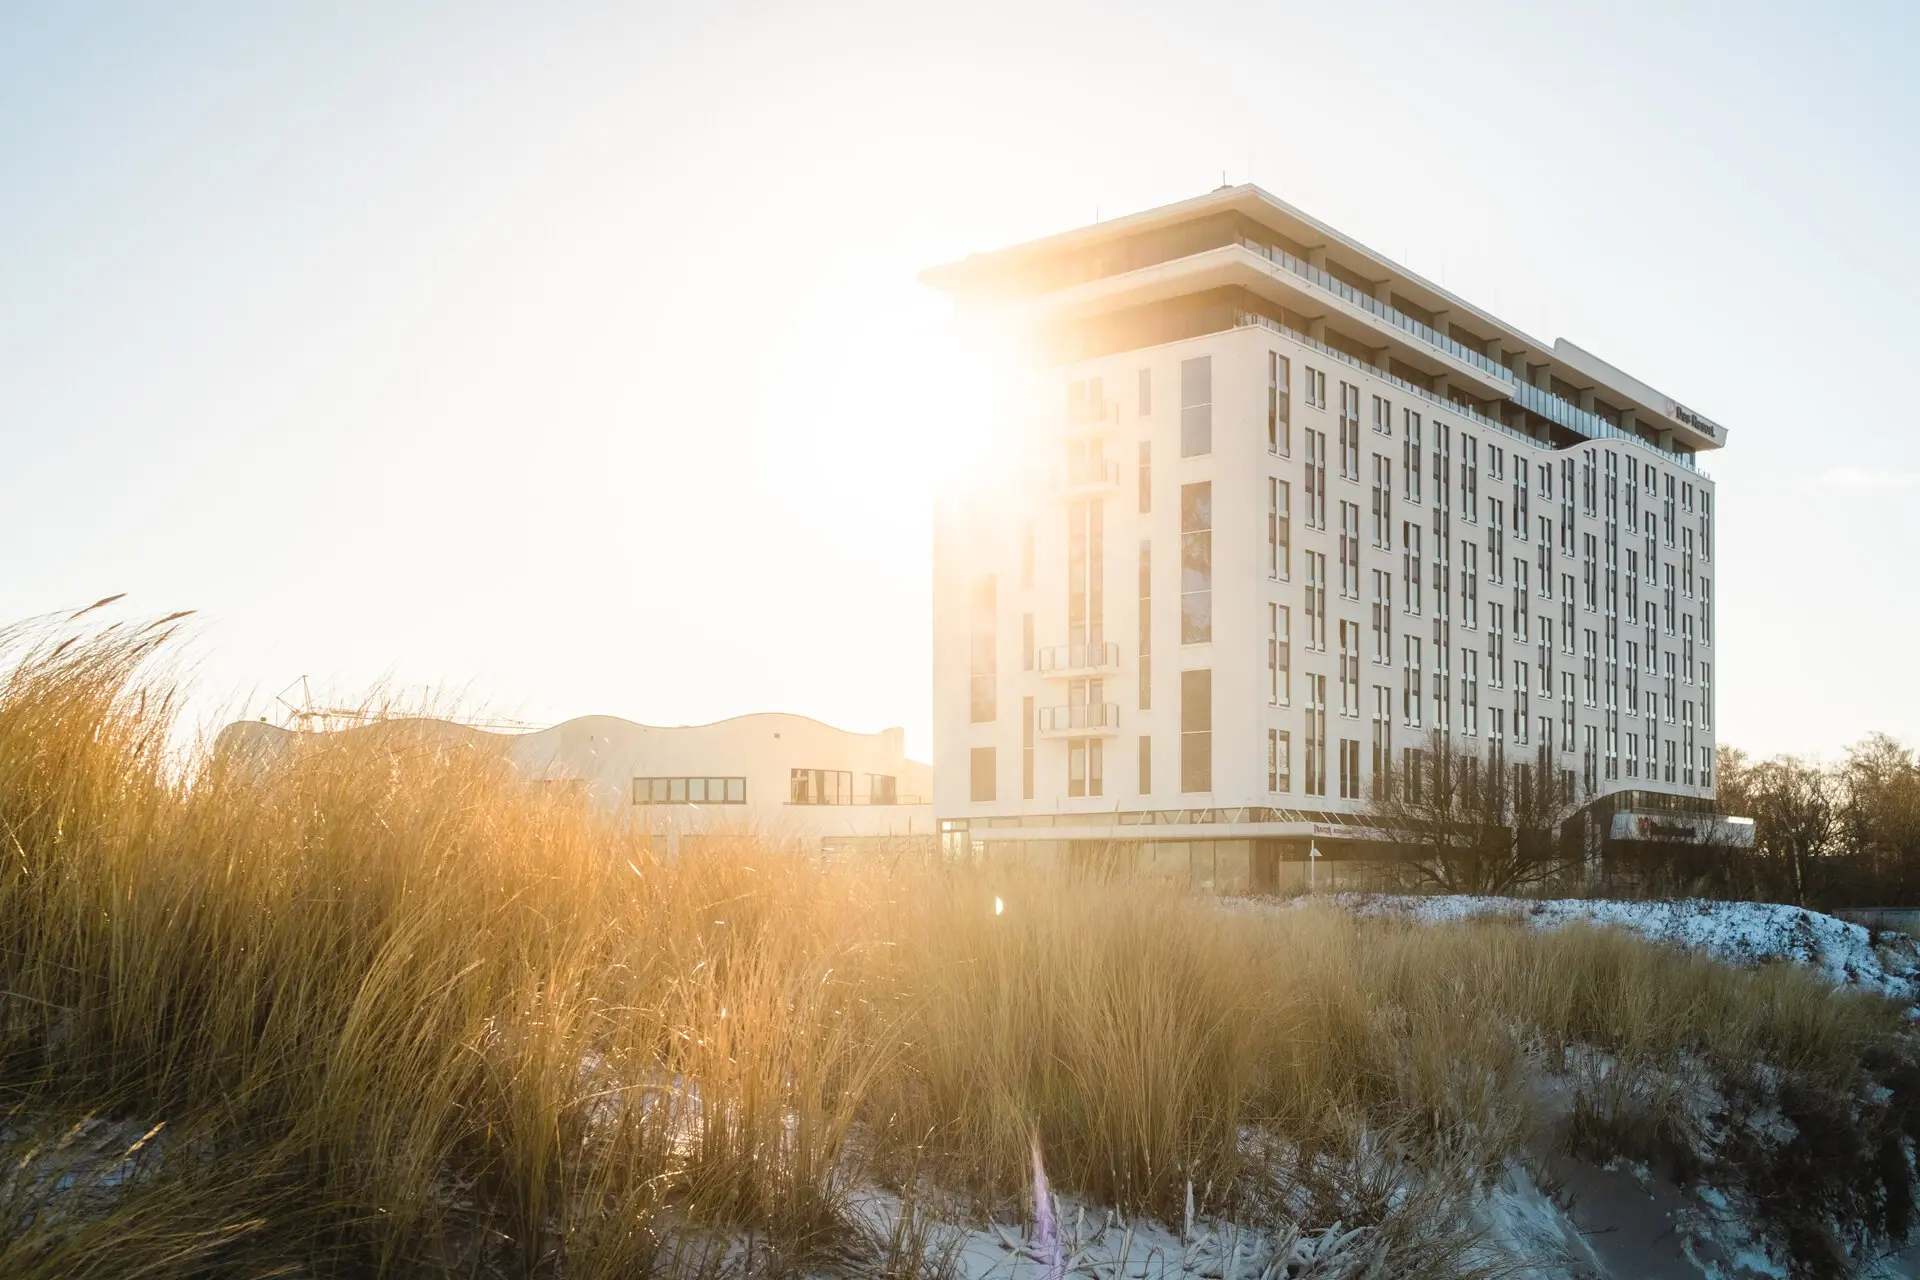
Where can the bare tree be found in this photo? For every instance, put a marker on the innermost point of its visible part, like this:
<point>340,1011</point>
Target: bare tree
<point>1476,822</point>
<point>1796,817</point>
<point>1880,816</point>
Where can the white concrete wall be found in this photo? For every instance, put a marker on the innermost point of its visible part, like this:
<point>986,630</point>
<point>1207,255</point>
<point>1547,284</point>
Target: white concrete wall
<point>604,754</point>
<point>986,538</point>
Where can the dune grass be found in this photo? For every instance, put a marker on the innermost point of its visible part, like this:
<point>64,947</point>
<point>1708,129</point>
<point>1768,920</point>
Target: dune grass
<point>394,1012</point>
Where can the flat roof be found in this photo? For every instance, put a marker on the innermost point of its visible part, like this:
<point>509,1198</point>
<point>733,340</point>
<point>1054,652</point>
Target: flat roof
<point>1269,210</point>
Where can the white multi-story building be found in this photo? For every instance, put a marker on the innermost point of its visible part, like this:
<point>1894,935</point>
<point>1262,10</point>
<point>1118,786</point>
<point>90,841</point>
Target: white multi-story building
<point>785,779</point>
<point>1284,509</point>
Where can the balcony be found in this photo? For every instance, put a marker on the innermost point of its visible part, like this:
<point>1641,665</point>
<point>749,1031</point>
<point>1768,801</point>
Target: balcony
<point>1382,312</point>
<point>1070,661</point>
<point>1092,479</point>
<point>1544,403</point>
<point>1094,720</point>
<point>1088,417</point>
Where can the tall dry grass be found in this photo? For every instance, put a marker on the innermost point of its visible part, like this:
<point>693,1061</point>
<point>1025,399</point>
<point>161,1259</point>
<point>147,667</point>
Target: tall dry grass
<point>398,1013</point>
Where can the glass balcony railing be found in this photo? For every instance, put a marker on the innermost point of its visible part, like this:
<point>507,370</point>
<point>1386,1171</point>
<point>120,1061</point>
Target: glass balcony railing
<point>1380,310</point>
<point>1075,718</point>
<point>1544,403</point>
<point>1063,658</point>
<point>1093,413</point>
<point>1523,393</point>
<point>1094,474</point>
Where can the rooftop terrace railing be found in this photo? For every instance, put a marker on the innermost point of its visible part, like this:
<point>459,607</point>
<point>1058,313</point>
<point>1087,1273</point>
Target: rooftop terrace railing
<point>1556,410</point>
<point>1525,394</point>
<point>1380,310</point>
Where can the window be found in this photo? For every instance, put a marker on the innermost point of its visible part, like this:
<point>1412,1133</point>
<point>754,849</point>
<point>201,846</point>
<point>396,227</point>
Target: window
<point>1146,765</point>
<point>1413,781</point>
<point>1146,477</point>
<point>981,691</point>
<point>1350,550</point>
<point>1382,617</point>
<point>1520,518</point>
<point>1316,388</point>
<point>820,786</point>
<point>1410,564</point>
<point>1279,408</point>
<point>1279,761</point>
<point>1086,577</point>
<point>883,788</point>
<point>1026,748</point>
<point>1382,502</point>
<point>1026,642</point>
<point>1279,655</point>
<point>1382,738</point>
<point>1382,417</point>
<point>1196,730</point>
<point>1469,584</point>
<point>1146,392</point>
<point>1410,457</point>
<point>1469,691</point>
<point>1316,775</point>
<point>1146,624</point>
<point>1196,563</point>
<point>980,773</point>
<point>1469,477</point>
<point>1349,669</point>
<point>1316,474</point>
<point>1349,768</point>
<point>1196,407</point>
<point>689,790</point>
<point>1279,529</point>
<point>1086,767</point>
<point>1349,431</point>
<point>1410,682</point>
<point>1316,610</point>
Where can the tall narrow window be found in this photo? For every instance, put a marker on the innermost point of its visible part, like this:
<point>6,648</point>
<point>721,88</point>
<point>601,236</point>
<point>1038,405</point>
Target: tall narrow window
<point>1146,765</point>
<point>1349,668</point>
<point>1383,502</point>
<point>1086,575</point>
<point>1146,477</point>
<point>1279,406</point>
<point>1196,562</point>
<point>1146,624</point>
<point>1279,529</point>
<point>1349,431</point>
<point>1196,407</point>
<point>1279,655</point>
<point>1349,768</point>
<point>980,773</point>
<point>1350,550</point>
<point>1026,748</point>
<point>981,694</point>
<point>1196,730</point>
<point>1410,457</point>
<point>1382,739</point>
<point>1316,477</point>
<point>1279,761</point>
<point>1026,642</point>
<point>1316,726</point>
<point>1316,600</point>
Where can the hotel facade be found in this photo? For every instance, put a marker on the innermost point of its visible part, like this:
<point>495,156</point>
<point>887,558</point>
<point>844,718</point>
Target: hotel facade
<point>1279,511</point>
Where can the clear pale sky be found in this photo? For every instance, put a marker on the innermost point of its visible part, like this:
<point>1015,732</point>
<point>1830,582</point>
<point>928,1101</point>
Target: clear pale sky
<point>570,357</point>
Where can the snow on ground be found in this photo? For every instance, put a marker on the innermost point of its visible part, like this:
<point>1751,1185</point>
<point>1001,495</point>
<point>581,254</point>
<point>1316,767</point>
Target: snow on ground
<point>1736,932</point>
